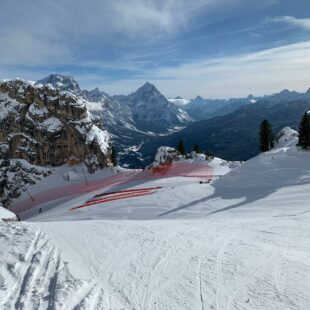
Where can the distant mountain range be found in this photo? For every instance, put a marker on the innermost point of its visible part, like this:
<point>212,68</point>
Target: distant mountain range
<point>144,120</point>
<point>131,120</point>
<point>234,136</point>
<point>201,108</point>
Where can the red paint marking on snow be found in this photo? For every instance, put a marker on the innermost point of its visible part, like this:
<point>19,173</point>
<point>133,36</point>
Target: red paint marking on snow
<point>121,194</point>
<point>70,190</point>
<point>94,201</point>
<point>113,199</point>
<point>176,169</point>
<point>128,191</point>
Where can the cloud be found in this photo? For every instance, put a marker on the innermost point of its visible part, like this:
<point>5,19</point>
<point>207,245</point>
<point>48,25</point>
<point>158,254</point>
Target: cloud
<point>259,73</point>
<point>27,49</point>
<point>53,31</point>
<point>303,23</point>
<point>58,31</point>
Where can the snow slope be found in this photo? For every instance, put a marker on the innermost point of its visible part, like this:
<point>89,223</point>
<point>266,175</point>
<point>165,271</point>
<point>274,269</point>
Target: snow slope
<point>239,242</point>
<point>178,101</point>
<point>5,213</point>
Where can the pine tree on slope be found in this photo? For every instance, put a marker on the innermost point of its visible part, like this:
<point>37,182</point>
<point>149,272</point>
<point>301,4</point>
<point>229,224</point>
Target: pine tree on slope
<point>181,147</point>
<point>113,157</point>
<point>304,131</point>
<point>196,148</point>
<point>266,136</point>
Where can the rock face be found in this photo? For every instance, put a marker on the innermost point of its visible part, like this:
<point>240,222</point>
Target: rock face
<point>47,127</point>
<point>61,82</point>
<point>151,111</point>
<point>131,120</point>
<point>15,175</point>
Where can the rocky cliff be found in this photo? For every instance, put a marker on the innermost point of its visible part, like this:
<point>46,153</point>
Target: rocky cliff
<point>47,127</point>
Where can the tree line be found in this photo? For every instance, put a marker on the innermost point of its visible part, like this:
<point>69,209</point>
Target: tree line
<point>267,137</point>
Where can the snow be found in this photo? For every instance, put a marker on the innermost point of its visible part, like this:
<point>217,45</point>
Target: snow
<point>23,135</point>
<point>179,101</point>
<point>4,213</point>
<point>163,153</point>
<point>37,111</point>
<point>101,136</point>
<point>239,242</point>
<point>94,106</point>
<point>287,134</point>
<point>51,124</point>
<point>8,106</point>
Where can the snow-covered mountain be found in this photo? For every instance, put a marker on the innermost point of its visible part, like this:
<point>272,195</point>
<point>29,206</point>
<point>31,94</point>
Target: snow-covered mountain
<point>151,110</point>
<point>179,101</point>
<point>139,122</point>
<point>95,95</point>
<point>131,120</point>
<point>287,96</point>
<point>201,108</point>
<point>61,82</point>
<point>234,136</point>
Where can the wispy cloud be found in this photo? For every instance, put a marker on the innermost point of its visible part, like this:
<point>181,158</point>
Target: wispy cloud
<point>303,23</point>
<point>118,44</point>
<point>56,31</point>
<point>34,31</point>
<point>259,73</point>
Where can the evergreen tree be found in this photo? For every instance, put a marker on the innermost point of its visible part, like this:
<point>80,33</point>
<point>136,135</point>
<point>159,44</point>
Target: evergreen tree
<point>304,131</point>
<point>196,148</point>
<point>181,147</point>
<point>113,157</point>
<point>266,136</point>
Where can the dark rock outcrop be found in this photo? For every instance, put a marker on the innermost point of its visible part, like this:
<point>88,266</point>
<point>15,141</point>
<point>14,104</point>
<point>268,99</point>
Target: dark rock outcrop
<point>47,127</point>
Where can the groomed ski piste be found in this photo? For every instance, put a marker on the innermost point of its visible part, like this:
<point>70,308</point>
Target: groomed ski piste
<point>165,241</point>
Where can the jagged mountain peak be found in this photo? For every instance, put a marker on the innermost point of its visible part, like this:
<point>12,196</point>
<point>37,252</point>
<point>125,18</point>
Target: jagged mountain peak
<point>199,99</point>
<point>287,92</point>
<point>95,95</point>
<point>61,82</point>
<point>147,88</point>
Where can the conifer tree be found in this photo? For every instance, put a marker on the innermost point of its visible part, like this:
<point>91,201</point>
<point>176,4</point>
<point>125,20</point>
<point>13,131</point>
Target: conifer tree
<point>181,147</point>
<point>266,136</point>
<point>196,148</point>
<point>113,157</point>
<point>304,131</point>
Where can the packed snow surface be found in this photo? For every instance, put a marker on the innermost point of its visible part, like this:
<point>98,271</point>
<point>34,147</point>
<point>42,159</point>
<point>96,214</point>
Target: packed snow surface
<point>4,213</point>
<point>139,240</point>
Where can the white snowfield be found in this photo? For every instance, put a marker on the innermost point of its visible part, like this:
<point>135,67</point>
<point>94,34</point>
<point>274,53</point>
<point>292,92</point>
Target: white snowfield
<point>240,242</point>
<point>5,213</point>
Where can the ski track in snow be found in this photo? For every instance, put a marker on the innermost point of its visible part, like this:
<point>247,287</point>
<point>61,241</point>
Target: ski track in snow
<point>252,254</point>
<point>152,268</point>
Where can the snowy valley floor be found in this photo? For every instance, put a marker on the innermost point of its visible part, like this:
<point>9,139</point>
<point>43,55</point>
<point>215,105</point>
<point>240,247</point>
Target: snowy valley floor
<point>241,242</point>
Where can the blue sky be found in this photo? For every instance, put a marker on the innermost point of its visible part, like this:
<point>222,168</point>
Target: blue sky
<point>212,48</point>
